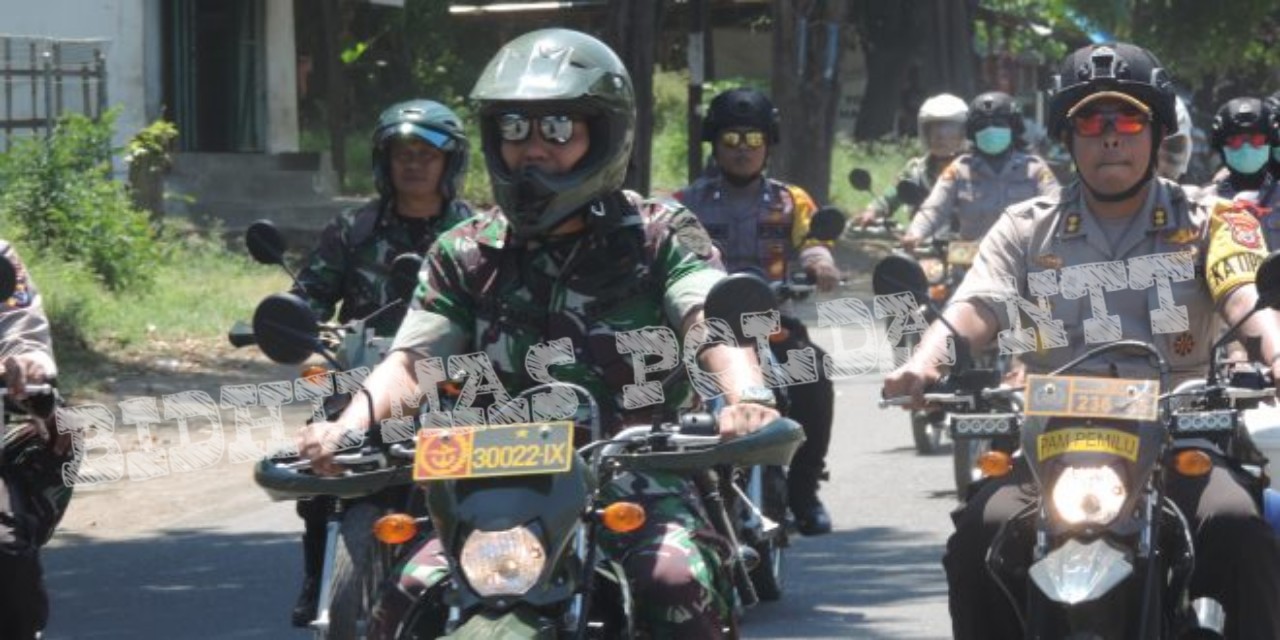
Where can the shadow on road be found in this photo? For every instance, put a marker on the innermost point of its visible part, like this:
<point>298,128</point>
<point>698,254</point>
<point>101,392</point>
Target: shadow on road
<point>833,580</point>
<point>179,584</point>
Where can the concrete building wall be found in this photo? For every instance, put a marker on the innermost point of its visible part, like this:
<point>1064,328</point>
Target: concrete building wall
<point>281,77</point>
<point>121,22</point>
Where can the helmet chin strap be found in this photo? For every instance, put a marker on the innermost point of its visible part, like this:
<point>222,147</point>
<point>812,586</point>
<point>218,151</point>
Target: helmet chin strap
<point>1133,189</point>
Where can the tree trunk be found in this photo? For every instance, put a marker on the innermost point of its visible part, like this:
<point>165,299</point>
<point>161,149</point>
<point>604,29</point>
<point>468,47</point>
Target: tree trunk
<point>335,84</point>
<point>633,31</point>
<point>805,80</point>
<point>913,50</point>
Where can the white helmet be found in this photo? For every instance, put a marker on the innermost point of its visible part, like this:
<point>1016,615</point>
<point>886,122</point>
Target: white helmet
<point>943,107</point>
<point>1175,150</point>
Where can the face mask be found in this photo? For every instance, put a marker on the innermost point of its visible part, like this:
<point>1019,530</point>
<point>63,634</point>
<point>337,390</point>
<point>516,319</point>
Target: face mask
<point>1248,159</point>
<point>993,140</point>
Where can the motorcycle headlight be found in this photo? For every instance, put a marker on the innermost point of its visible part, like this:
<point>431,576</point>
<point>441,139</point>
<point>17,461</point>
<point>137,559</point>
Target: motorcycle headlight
<point>1090,495</point>
<point>502,563</point>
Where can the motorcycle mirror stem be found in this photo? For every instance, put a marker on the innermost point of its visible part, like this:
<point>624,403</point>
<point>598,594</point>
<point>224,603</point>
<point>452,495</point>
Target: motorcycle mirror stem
<point>266,245</point>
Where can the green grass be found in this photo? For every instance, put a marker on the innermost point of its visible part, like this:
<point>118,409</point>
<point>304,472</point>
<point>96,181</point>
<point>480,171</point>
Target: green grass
<point>883,160</point>
<point>199,291</point>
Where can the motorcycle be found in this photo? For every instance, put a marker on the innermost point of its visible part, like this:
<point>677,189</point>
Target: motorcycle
<point>286,331</point>
<point>518,510</point>
<point>1112,554</point>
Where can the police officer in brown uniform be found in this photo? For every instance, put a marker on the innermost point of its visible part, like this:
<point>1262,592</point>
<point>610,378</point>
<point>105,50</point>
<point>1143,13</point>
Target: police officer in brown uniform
<point>33,496</point>
<point>1111,106</point>
<point>761,224</point>
<point>972,192</point>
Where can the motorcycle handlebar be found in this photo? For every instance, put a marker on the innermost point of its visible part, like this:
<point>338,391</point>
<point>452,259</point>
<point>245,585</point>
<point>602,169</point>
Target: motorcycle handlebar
<point>929,398</point>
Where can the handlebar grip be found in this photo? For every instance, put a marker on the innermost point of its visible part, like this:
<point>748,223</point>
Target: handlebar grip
<point>32,390</point>
<point>699,424</point>
<point>899,401</point>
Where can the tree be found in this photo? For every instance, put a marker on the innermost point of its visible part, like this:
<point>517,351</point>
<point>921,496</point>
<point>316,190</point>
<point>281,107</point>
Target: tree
<point>913,49</point>
<point>806,84</point>
<point>632,34</point>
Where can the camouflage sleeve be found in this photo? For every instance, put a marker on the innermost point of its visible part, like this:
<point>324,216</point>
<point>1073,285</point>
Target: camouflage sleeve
<point>887,202</point>
<point>442,312</point>
<point>320,281</point>
<point>811,250</point>
<point>23,325</point>
<point>685,260</point>
<point>936,211</point>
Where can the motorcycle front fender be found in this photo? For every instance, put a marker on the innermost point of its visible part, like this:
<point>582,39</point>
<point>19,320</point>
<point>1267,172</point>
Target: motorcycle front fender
<point>520,622</point>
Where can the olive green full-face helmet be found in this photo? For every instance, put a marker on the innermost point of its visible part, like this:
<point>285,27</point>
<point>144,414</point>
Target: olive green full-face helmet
<point>556,72</point>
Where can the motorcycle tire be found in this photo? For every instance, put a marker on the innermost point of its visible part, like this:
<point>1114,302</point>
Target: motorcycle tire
<point>965,454</point>
<point>768,575</point>
<point>359,567</point>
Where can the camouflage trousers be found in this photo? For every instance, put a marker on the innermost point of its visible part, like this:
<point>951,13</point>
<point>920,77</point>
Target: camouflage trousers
<point>675,565</point>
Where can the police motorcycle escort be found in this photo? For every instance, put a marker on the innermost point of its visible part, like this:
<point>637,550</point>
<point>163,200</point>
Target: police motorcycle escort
<point>1112,553</point>
<point>518,510</point>
<point>285,329</point>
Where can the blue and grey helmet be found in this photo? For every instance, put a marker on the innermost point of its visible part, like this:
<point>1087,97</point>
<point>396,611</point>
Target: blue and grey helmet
<point>431,122</point>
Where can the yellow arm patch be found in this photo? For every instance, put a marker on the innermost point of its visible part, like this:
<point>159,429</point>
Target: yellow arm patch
<point>1236,248</point>
<point>801,217</point>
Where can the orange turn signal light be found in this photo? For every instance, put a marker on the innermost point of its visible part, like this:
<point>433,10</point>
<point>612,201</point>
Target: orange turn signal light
<point>1193,463</point>
<point>995,464</point>
<point>779,336</point>
<point>938,292</point>
<point>315,373</point>
<point>395,528</point>
<point>623,517</point>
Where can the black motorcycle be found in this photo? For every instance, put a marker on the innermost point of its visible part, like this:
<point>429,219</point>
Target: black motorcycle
<point>286,331</point>
<point>1112,554</point>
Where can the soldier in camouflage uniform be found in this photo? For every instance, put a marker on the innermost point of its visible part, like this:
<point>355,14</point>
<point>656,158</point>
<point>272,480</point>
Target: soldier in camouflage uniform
<point>419,165</point>
<point>974,190</point>
<point>570,255</point>
<point>940,124</point>
<point>33,496</point>
<point>762,224</point>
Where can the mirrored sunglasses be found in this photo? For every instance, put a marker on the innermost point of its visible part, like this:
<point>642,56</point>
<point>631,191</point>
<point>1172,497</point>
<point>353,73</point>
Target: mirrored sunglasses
<point>1254,139</point>
<point>734,139</point>
<point>1090,125</point>
<point>516,127</point>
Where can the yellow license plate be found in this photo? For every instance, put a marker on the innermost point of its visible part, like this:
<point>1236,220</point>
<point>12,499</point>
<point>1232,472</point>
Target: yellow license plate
<point>961,254</point>
<point>1084,397</point>
<point>493,451</point>
<point>1087,440</point>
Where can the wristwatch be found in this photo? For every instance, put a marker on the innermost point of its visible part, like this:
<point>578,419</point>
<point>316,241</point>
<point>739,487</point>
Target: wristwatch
<point>758,395</point>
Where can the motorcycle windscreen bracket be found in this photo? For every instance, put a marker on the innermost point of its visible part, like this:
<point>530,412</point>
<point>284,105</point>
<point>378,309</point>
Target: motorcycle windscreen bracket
<point>493,451</point>
<point>1087,397</point>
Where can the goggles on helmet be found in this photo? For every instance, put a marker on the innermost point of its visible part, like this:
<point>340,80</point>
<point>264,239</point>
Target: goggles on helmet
<point>1238,140</point>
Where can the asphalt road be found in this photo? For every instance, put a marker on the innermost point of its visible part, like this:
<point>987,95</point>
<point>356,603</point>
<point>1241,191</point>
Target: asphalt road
<point>206,555</point>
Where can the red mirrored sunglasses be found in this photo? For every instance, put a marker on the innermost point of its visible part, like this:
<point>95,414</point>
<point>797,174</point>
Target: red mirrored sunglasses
<point>1090,125</point>
<point>1254,139</point>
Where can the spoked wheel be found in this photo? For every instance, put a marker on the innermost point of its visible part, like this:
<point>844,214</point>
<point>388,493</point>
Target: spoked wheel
<point>768,575</point>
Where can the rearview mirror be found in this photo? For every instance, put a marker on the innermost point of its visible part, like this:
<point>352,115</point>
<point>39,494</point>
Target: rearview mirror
<point>898,273</point>
<point>1267,281</point>
<point>859,179</point>
<point>404,276</point>
<point>738,294</point>
<point>827,224</point>
<point>911,193</point>
<point>264,242</point>
<point>8,279</point>
<point>285,328</point>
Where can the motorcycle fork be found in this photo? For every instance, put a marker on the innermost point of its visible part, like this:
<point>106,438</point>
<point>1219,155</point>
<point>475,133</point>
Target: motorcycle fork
<point>708,486</point>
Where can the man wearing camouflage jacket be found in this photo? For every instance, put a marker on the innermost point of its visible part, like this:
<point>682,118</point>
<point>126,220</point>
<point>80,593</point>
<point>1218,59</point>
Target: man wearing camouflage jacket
<point>419,165</point>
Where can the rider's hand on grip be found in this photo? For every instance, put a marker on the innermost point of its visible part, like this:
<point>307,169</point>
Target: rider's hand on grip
<point>318,442</point>
<point>744,418</point>
<point>910,380</point>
